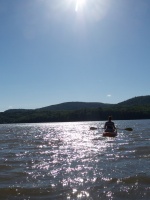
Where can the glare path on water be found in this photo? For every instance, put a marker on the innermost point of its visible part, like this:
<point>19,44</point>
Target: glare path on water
<point>71,160</point>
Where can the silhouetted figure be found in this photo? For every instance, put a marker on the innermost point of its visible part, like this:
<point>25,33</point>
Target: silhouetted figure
<point>109,125</point>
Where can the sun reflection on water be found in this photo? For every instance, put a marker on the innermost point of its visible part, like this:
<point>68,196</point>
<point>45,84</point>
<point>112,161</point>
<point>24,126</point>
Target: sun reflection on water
<point>68,161</point>
<point>68,155</point>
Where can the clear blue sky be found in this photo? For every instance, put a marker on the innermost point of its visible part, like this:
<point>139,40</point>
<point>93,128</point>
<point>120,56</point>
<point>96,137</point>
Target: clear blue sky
<point>54,51</point>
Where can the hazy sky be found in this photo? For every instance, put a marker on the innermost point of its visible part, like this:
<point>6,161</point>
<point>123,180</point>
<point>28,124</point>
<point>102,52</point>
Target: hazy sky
<point>54,51</point>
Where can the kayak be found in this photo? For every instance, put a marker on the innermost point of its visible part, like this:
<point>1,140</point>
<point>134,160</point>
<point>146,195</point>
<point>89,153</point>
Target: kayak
<point>110,134</point>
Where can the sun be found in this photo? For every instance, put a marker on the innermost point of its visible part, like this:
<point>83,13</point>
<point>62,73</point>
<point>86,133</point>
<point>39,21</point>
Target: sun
<point>79,4</point>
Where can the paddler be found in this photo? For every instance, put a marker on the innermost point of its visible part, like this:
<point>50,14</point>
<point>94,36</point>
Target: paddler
<point>109,125</point>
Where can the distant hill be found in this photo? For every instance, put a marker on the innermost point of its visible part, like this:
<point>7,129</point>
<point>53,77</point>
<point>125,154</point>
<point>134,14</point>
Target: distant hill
<point>136,101</point>
<point>18,110</point>
<point>134,108</point>
<point>74,106</point>
<point>68,106</point>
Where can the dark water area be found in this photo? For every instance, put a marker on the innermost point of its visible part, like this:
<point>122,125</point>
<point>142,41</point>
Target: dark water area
<point>68,161</point>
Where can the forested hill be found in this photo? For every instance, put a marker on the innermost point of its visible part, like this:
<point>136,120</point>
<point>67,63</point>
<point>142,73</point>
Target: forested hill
<point>136,101</point>
<point>135,108</point>
<point>75,106</point>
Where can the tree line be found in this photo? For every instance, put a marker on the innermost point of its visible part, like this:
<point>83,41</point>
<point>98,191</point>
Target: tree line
<point>91,114</point>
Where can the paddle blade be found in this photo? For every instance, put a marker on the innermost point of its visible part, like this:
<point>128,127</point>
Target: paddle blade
<point>93,128</point>
<point>128,129</point>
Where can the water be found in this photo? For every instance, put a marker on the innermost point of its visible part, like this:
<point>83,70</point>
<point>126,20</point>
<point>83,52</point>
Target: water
<point>67,161</point>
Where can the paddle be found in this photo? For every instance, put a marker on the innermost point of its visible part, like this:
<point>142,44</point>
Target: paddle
<point>126,129</point>
<point>93,128</point>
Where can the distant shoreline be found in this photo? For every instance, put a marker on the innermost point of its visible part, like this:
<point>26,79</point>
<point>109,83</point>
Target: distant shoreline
<point>132,109</point>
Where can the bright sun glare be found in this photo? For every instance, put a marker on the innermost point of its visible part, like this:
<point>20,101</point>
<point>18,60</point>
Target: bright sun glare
<point>79,4</point>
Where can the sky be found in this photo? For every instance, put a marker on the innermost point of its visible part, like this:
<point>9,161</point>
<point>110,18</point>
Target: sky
<point>55,51</point>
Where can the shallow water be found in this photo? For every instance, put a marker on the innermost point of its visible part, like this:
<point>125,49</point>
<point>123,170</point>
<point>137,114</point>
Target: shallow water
<point>69,161</point>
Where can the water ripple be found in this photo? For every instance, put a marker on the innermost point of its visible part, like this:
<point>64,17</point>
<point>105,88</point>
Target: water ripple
<point>68,161</point>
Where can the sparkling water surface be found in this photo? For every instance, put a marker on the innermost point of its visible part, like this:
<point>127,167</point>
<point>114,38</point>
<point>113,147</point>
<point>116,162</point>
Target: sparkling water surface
<point>68,161</point>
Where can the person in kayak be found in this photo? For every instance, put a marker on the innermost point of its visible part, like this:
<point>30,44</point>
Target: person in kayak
<point>109,125</point>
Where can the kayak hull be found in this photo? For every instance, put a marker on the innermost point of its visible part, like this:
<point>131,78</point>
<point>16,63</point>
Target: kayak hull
<point>110,134</point>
